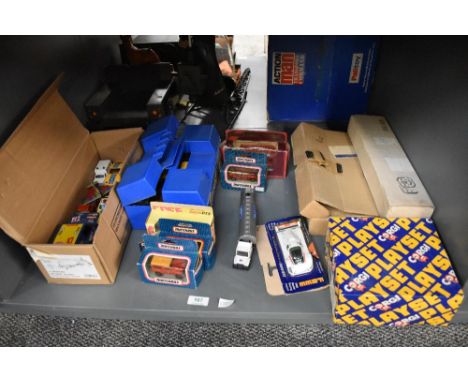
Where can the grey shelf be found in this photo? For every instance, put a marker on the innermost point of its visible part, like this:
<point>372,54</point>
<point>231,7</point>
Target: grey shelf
<point>130,298</point>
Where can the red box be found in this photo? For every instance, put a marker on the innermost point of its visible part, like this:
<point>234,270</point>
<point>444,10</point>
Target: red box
<point>273,143</point>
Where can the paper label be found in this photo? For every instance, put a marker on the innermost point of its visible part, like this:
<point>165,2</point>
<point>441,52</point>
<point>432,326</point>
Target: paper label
<point>399,164</point>
<point>198,300</point>
<point>224,303</point>
<point>66,266</point>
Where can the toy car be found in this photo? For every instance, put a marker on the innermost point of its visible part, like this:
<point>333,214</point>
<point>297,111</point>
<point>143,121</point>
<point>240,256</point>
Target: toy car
<point>297,257</point>
<point>243,256</point>
<point>163,266</point>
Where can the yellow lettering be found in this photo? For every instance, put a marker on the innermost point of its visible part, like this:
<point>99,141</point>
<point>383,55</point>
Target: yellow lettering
<point>349,319</point>
<point>347,224</point>
<point>399,247</point>
<point>376,322</point>
<point>403,310</point>
<point>345,248</point>
<point>348,267</point>
<point>340,275</point>
<point>409,241</point>
<point>368,298</point>
<point>389,316</point>
<point>374,270</point>
<point>389,283</point>
<point>404,266</point>
<point>384,265</point>
<point>398,276</point>
<point>363,236</point>
<point>428,313</point>
<point>417,235</point>
<point>432,299</point>
<point>404,223</point>
<point>381,223</point>
<point>373,244</point>
<point>418,304</point>
<point>354,305</point>
<point>338,231</point>
<point>362,314</point>
<point>431,269</point>
<point>359,260</point>
<point>434,242</point>
<point>436,321</point>
<point>342,309</point>
<point>456,300</point>
<point>368,253</point>
<point>392,256</point>
<point>422,226</point>
<point>377,289</point>
<point>441,261</point>
<point>424,279</point>
<point>370,227</point>
<point>406,293</point>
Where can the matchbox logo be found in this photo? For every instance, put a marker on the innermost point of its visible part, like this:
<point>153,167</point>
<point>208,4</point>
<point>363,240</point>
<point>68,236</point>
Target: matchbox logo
<point>191,231</point>
<point>356,65</point>
<point>245,160</point>
<point>172,247</point>
<point>288,68</point>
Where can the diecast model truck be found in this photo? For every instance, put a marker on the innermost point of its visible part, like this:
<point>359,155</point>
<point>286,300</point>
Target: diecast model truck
<point>162,266</point>
<point>247,237</point>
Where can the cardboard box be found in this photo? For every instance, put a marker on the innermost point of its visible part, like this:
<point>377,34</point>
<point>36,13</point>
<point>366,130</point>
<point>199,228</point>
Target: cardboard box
<point>173,262</point>
<point>319,78</point>
<point>395,186</point>
<point>329,178</point>
<point>185,221</point>
<point>45,167</point>
<point>391,272</point>
<point>273,143</point>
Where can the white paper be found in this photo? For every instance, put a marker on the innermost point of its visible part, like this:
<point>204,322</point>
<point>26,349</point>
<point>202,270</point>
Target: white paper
<point>384,141</point>
<point>198,300</point>
<point>66,266</point>
<point>224,303</point>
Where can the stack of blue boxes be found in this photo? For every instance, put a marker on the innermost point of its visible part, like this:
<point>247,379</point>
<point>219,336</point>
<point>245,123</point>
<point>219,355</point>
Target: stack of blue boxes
<point>177,170</point>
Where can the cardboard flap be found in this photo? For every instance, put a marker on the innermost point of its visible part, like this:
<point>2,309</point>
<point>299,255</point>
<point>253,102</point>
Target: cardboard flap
<point>270,273</point>
<point>34,160</point>
<point>318,189</point>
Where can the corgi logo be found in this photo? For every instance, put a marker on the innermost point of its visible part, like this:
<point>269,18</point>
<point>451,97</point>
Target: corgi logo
<point>450,278</point>
<point>356,65</point>
<point>357,283</point>
<point>191,231</point>
<point>385,305</point>
<point>172,247</point>
<point>389,234</point>
<point>419,254</point>
<point>245,160</point>
<point>336,253</point>
<point>288,68</point>
<point>406,321</point>
<point>407,184</point>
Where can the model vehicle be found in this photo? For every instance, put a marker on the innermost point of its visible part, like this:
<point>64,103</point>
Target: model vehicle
<point>243,255</point>
<point>247,231</point>
<point>294,249</point>
<point>242,174</point>
<point>163,266</point>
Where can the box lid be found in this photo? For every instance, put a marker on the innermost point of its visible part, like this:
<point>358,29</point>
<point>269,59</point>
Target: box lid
<point>34,160</point>
<point>139,181</point>
<point>328,174</point>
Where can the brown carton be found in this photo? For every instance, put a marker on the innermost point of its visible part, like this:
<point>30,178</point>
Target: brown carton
<point>45,166</point>
<point>329,178</point>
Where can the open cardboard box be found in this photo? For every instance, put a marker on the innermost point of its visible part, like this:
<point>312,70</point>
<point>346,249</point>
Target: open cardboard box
<point>329,178</point>
<point>45,166</point>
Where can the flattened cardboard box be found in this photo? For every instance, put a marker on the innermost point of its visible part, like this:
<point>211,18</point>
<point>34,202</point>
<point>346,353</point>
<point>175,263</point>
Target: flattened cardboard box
<point>395,185</point>
<point>391,272</point>
<point>45,166</point>
<point>329,178</point>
